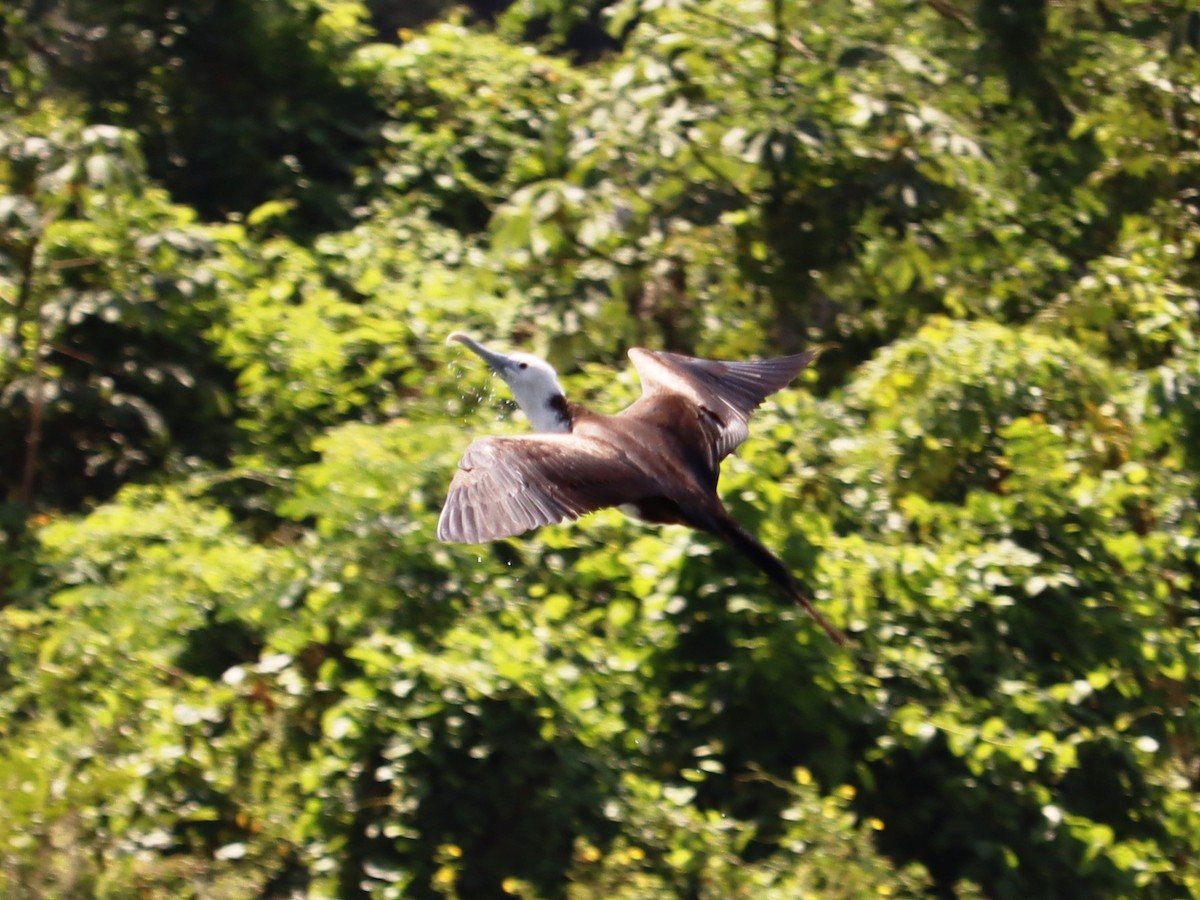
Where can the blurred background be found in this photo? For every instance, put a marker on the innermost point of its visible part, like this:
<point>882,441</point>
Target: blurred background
<point>234,661</point>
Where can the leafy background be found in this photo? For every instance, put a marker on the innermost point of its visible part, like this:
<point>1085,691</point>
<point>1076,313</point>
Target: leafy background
<point>235,662</point>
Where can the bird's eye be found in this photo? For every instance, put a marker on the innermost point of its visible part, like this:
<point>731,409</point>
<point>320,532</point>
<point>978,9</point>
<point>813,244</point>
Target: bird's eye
<point>522,365</point>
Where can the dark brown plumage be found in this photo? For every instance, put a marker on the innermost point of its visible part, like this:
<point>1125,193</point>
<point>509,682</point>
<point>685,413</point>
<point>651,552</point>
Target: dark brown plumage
<point>659,458</point>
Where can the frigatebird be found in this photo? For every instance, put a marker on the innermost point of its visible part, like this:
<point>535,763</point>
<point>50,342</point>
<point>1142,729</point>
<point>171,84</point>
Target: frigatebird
<point>659,459</point>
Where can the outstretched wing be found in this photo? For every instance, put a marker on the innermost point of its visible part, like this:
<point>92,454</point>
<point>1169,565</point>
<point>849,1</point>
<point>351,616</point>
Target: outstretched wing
<point>508,485</point>
<point>725,392</point>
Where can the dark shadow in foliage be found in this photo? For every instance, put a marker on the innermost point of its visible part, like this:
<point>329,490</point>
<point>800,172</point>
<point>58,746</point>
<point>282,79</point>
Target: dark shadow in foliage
<point>1016,33</point>
<point>128,396</point>
<point>942,803</point>
<point>388,16</point>
<point>237,101</point>
<point>748,687</point>
<point>18,571</point>
<point>577,31</point>
<point>489,783</point>
<point>941,830</point>
<point>218,646</point>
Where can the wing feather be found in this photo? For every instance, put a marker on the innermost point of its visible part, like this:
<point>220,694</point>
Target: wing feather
<point>505,486</point>
<point>725,392</point>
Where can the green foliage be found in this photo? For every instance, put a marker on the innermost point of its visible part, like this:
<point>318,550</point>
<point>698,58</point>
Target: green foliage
<point>688,213</point>
<point>471,118</point>
<point>144,775</point>
<point>236,102</point>
<point>107,369</point>
<point>257,673</point>
<point>1172,411</point>
<point>948,394</point>
<point>1051,530</point>
<point>1139,302</point>
<point>348,329</point>
<point>670,849</point>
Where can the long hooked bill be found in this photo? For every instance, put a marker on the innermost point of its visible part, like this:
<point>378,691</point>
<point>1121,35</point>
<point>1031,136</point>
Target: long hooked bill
<point>493,358</point>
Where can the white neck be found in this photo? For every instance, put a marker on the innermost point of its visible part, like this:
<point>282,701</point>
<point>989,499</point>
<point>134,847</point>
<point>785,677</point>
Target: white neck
<point>546,412</point>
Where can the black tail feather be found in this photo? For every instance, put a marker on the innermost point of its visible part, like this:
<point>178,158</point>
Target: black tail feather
<point>772,566</point>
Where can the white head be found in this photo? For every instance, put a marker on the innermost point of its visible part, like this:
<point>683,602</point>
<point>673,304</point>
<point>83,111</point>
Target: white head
<point>532,380</point>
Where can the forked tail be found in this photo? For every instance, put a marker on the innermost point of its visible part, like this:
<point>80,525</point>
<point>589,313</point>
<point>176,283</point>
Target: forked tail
<point>772,566</point>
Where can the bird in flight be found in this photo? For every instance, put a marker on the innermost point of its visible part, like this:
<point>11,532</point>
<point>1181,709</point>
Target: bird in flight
<point>659,459</point>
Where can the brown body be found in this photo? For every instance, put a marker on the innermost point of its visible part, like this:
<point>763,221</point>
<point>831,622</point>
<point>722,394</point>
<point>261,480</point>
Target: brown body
<point>659,458</point>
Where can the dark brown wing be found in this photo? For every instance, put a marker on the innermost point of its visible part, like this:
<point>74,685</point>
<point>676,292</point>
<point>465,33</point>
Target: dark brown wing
<point>508,485</point>
<point>725,392</point>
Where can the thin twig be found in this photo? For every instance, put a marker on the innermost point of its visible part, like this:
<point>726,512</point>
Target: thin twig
<point>33,439</point>
<point>732,25</point>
